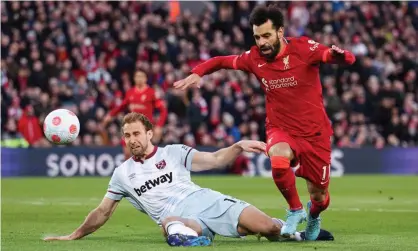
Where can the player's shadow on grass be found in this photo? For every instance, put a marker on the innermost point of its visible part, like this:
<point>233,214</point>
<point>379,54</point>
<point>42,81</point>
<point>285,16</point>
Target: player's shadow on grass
<point>253,241</point>
<point>158,240</point>
<point>127,239</point>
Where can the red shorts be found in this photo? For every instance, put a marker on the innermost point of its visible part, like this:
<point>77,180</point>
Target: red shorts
<point>313,155</point>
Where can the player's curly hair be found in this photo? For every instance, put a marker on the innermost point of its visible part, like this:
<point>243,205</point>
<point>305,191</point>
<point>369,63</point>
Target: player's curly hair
<point>137,117</point>
<point>263,13</point>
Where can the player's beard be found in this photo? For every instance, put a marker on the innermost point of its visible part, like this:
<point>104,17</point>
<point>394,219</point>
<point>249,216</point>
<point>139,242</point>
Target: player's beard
<point>138,150</point>
<point>274,50</point>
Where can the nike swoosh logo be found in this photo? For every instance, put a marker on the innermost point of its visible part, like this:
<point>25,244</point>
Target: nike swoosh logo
<point>324,182</point>
<point>259,65</point>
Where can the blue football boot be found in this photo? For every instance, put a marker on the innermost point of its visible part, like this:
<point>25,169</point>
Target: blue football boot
<point>180,240</point>
<point>313,227</point>
<point>293,219</point>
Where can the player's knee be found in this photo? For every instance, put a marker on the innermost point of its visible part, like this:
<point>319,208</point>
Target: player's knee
<point>281,156</point>
<point>281,149</point>
<point>270,228</point>
<point>169,219</point>
<point>191,224</point>
<point>166,221</point>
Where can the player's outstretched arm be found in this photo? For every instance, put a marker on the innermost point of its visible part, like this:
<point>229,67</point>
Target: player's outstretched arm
<point>206,160</point>
<point>314,53</point>
<point>95,219</point>
<point>237,62</point>
<point>205,68</point>
<point>112,113</point>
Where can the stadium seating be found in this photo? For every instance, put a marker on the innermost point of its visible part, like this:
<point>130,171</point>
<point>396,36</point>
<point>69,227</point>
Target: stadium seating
<point>82,55</point>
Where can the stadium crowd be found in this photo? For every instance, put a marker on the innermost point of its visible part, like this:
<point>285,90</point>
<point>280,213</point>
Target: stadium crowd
<point>82,56</point>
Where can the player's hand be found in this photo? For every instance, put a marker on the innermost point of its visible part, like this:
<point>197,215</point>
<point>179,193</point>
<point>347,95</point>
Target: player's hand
<point>335,51</point>
<point>252,146</point>
<point>191,80</point>
<point>60,238</point>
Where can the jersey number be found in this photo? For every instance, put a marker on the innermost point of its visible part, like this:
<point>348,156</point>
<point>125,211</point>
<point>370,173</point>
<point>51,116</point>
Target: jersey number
<point>233,201</point>
<point>324,172</point>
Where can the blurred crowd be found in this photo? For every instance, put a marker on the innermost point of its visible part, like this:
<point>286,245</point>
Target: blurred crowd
<point>82,56</point>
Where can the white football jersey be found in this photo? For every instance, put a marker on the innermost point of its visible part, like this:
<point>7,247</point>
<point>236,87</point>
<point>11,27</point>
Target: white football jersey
<point>156,185</point>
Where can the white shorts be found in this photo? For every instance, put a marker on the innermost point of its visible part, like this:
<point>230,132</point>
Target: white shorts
<point>215,212</point>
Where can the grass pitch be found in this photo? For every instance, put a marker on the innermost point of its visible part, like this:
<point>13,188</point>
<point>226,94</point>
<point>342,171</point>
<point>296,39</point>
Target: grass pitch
<point>366,213</point>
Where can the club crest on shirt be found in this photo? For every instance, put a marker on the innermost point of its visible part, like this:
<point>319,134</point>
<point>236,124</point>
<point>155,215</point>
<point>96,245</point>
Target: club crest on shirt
<point>286,62</point>
<point>265,83</point>
<point>161,165</point>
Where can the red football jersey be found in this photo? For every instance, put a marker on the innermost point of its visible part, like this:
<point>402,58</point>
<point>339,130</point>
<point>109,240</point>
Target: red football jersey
<point>294,101</point>
<point>142,101</point>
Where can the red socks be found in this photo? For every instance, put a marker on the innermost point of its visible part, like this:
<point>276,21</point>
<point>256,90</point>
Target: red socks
<point>285,180</point>
<point>318,207</point>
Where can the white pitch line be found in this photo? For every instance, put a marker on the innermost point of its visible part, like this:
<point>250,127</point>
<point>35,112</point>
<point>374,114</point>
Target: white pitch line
<point>91,203</point>
<point>379,210</point>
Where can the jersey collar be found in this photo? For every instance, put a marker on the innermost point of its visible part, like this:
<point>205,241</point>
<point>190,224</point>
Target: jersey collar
<point>284,49</point>
<point>147,157</point>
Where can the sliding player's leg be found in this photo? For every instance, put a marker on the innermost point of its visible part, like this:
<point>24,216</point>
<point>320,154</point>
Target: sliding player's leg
<point>191,212</point>
<point>253,221</point>
<point>206,213</point>
<point>230,217</point>
<point>282,149</point>
<point>184,232</point>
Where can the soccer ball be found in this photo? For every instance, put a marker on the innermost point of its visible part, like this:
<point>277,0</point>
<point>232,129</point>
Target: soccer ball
<point>61,126</point>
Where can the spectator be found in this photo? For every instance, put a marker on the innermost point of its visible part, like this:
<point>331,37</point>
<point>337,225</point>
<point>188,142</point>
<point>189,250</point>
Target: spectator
<point>11,137</point>
<point>29,127</point>
<point>231,129</point>
<point>82,55</point>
